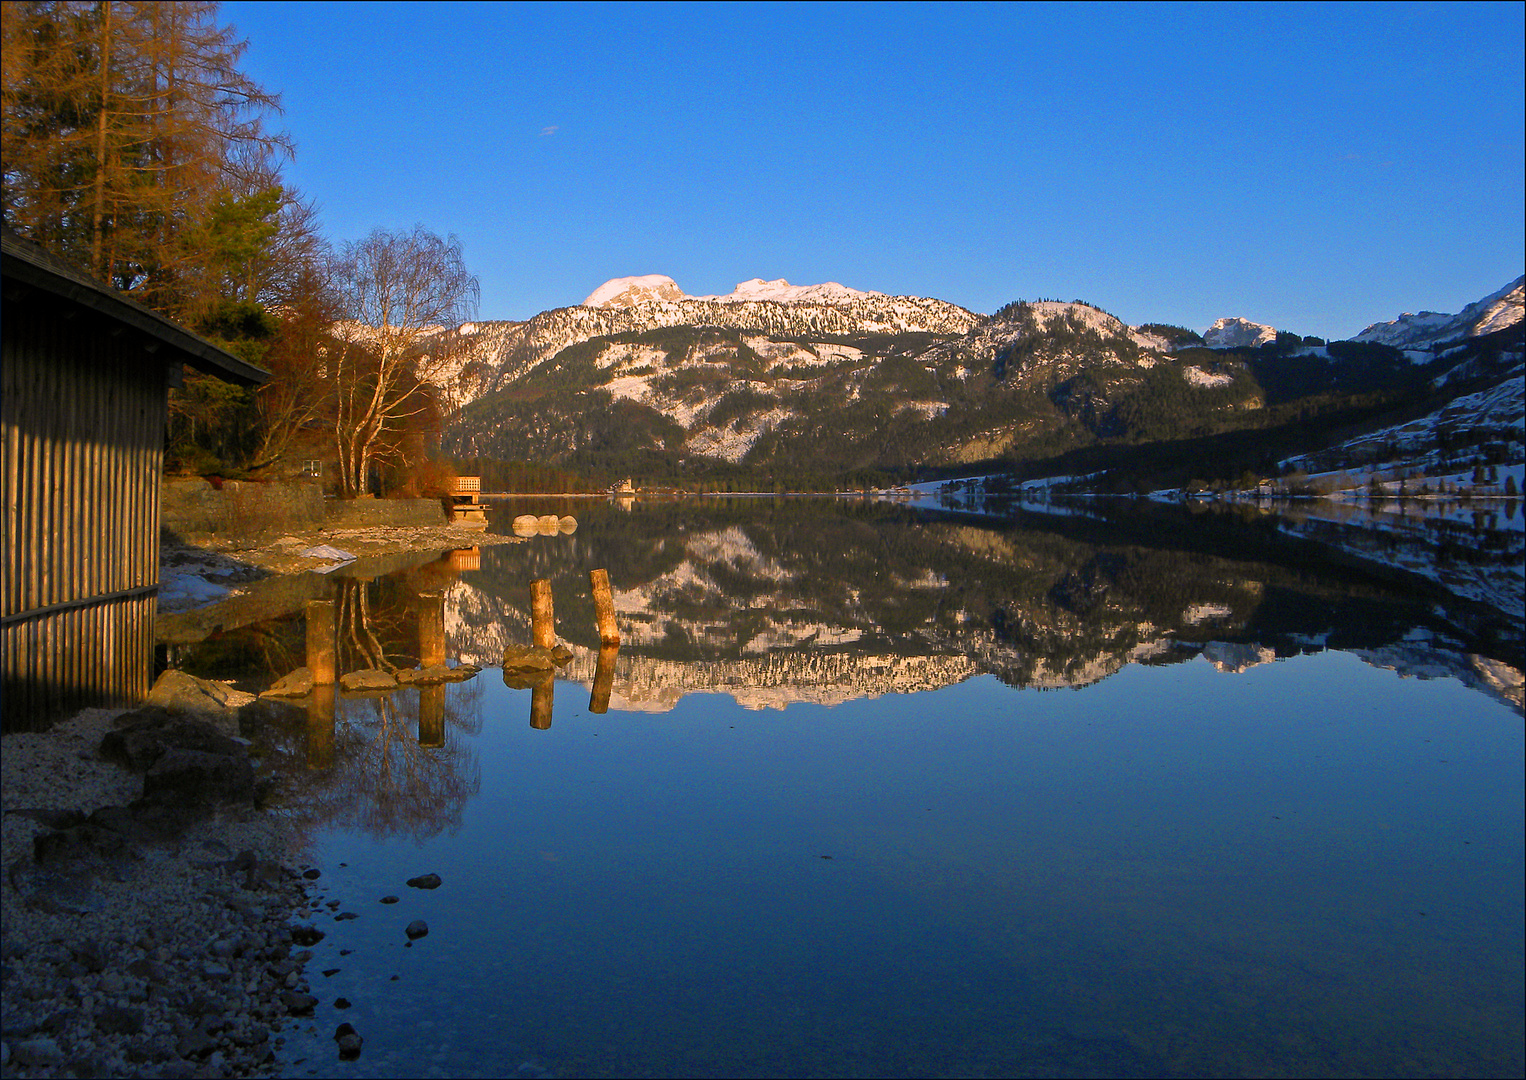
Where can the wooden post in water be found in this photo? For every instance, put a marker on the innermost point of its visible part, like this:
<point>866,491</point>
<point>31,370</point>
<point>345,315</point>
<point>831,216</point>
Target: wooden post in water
<point>542,623</point>
<point>603,679</point>
<point>604,607</point>
<point>431,608</point>
<point>320,641</point>
<point>541,694</point>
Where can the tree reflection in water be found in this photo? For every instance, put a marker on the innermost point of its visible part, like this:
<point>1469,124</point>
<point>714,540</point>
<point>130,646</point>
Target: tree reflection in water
<point>389,762</point>
<point>382,778</point>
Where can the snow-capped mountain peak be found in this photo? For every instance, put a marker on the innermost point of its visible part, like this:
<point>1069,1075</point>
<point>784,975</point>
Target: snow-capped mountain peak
<point>624,292</point>
<point>1238,333</point>
<point>782,292</point>
<point>1498,310</point>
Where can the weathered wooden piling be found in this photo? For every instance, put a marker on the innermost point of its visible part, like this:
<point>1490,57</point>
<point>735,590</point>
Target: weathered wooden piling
<point>604,607</point>
<point>431,608</point>
<point>542,621</point>
<point>321,645</point>
<point>603,678</point>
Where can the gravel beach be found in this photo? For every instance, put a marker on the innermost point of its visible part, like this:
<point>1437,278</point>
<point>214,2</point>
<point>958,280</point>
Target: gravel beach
<point>130,950</point>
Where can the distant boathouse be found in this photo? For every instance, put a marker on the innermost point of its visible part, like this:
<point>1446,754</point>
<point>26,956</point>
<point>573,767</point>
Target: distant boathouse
<point>86,372</point>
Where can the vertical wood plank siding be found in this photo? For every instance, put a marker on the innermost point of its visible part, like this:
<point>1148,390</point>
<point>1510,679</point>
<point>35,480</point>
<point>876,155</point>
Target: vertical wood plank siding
<point>83,414</point>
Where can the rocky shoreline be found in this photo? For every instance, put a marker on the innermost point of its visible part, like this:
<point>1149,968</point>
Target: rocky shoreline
<point>149,899</point>
<point>152,904</point>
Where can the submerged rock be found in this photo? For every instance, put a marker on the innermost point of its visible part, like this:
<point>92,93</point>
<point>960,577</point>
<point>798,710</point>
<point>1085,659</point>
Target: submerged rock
<point>298,683</point>
<point>349,1040</point>
<point>436,674</point>
<point>424,881</point>
<point>368,679</point>
<point>527,658</point>
<point>416,929</point>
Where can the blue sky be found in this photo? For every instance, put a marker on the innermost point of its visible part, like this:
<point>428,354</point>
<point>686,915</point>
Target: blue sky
<point>1315,167</point>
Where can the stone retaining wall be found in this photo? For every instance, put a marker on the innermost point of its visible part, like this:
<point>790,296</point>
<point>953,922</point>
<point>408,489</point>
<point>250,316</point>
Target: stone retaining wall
<point>238,508</point>
<point>361,513</point>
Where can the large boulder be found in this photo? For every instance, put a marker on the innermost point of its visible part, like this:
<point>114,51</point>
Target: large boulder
<point>196,776</point>
<point>186,695</point>
<point>142,736</point>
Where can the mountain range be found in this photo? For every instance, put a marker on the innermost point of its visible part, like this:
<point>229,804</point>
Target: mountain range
<point>825,382</point>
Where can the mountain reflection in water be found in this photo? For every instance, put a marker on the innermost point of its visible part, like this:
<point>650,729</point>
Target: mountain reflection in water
<point>778,602</point>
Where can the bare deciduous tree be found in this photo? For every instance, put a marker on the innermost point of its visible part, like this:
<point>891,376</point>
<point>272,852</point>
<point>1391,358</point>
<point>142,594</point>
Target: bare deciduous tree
<point>396,290</point>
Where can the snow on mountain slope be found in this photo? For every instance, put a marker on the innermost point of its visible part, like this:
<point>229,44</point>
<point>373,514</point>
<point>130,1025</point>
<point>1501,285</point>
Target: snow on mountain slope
<point>637,305</point>
<point>980,346</point>
<point>1498,310</point>
<point>1238,333</point>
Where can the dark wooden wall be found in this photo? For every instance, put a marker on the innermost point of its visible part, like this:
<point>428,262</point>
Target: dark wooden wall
<point>83,418</point>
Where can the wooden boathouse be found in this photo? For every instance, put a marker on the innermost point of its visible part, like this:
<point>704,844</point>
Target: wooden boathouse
<point>83,405</point>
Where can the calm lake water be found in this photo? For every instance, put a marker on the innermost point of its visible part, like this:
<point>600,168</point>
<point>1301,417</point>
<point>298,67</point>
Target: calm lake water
<point>889,792</point>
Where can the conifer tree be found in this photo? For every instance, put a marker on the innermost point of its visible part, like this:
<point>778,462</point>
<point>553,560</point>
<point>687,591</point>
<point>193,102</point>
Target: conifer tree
<point>124,122</point>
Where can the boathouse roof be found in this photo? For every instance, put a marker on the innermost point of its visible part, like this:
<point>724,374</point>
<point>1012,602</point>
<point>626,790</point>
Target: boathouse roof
<point>26,264</point>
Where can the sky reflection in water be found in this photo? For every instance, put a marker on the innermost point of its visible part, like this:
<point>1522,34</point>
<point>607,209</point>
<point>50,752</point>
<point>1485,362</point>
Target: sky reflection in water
<point>1311,867</point>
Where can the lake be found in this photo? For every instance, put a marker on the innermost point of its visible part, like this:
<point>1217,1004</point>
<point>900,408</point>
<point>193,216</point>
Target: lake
<point>884,790</point>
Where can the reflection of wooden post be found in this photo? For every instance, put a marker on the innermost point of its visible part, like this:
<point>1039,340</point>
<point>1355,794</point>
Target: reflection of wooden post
<point>541,694</point>
<point>320,724</point>
<point>432,716</point>
<point>320,642</point>
<point>603,678</point>
<point>604,607</point>
<point>431,630</point>
<point>542,624</point>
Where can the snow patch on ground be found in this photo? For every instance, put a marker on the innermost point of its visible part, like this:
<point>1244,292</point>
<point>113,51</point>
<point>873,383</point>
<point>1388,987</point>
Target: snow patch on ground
<point>1198,377</point>
<point>619,356</point>
<point>733,444</point>
<point>183,590</point>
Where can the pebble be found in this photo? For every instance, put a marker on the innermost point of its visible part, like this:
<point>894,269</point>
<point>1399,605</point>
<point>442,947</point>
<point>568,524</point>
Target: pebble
<point>416,929</point>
